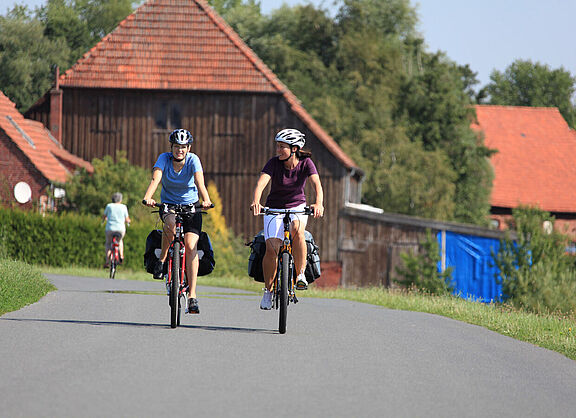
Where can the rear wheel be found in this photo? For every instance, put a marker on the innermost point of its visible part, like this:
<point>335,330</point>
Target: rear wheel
<point>175,287</point>
<point>283,290</point>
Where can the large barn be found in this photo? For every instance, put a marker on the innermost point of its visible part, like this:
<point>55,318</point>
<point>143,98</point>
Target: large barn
<point>176,63</point>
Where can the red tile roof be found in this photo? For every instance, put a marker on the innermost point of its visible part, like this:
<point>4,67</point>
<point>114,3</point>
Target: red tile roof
<point>183,45</point>
<point>536,159</point>
<point>36,142</point>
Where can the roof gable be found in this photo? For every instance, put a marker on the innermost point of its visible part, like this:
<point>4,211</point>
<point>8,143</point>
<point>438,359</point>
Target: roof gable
<point>37,144</point>
<point>536,159</point>
<point>183,45</point>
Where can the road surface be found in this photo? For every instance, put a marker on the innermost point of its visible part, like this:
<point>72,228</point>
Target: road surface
<point>104,348</point>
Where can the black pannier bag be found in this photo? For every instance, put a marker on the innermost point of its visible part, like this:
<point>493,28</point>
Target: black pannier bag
<point>205,252</point>
<point>206,260</point>
<point>258,249</point>
<point>153,248</point>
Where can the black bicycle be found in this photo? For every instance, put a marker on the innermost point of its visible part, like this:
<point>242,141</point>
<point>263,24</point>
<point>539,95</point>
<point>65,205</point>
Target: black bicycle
<point>176,281</point>
<point>283,285</point>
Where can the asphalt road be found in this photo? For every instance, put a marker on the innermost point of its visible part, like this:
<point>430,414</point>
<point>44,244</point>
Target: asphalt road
<point>94,348</point>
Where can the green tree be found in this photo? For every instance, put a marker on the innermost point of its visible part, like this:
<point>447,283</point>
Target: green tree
<point>89,193</point>
<point>27,57</point>
<point>525,83</point>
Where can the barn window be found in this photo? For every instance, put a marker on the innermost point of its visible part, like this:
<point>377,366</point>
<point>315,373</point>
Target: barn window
<point>168,116</point>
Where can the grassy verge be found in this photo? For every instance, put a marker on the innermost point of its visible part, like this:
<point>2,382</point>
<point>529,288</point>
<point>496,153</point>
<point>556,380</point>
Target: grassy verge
<point>20,285</point>
<point>554,332</point>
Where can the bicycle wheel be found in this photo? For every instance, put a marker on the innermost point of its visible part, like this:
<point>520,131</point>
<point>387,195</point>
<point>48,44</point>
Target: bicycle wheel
<point>112,268</point>
<point>175,287</point>
<point>284,278</point>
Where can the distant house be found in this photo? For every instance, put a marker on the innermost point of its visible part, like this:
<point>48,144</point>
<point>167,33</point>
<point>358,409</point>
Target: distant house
<point>31,159</point>
<point>174,64</point>
<point>535,164</point>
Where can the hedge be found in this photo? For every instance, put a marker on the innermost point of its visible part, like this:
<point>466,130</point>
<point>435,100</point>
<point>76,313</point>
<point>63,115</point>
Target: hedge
<point>69,239</point>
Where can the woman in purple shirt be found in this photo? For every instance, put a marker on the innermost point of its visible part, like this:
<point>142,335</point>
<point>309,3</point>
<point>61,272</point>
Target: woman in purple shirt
<point>287,174</point>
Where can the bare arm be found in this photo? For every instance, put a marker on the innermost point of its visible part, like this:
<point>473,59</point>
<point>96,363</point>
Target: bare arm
<point>318,206</point>
<point>263,181</point>
<point>156,179</point>
<point>199,179</point>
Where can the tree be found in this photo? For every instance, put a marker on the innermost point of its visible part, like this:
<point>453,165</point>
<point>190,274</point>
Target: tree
<point>88,193</point>
<point>27,57</point>
<point>402,114</point>
<point>525,83</point>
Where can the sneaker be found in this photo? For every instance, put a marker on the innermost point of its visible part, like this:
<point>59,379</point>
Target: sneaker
<point>192,307</point>
<point>301,282</point>
<point>266,302</point>
<point>158,270</point>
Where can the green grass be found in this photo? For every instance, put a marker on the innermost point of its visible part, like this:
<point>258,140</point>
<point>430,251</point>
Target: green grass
<point>20,285</point>
<point>554,332</point>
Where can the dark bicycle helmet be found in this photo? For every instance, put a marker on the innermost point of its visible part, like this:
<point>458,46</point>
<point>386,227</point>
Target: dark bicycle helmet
<point>292,137</point>
<point>181,137</point>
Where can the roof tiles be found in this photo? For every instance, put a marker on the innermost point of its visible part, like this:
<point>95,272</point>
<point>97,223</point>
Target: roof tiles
<point>536,159</point>
<point>36,142</point>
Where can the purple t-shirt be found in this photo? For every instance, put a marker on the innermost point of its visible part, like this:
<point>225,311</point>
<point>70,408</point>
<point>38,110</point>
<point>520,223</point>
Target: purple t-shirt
<point>287,186</point>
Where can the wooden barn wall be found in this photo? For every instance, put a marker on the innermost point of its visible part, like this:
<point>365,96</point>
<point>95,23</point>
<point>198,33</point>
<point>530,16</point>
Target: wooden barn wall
<point>370,250</point>
<point>233,138</point>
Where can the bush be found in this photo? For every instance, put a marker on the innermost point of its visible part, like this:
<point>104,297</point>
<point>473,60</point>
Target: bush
<point>535,271</point>
<point>66,239</point>
<point>420,270</point>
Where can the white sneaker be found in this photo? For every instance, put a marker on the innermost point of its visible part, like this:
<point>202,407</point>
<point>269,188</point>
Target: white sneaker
<point>266,302</point>
<point>301,282</point>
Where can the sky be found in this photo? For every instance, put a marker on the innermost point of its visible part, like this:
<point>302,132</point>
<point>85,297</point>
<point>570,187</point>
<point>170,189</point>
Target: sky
<point>487,35</point>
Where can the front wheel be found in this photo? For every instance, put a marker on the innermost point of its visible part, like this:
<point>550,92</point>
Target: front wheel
<point>285,276</point>
<point>175,287</point>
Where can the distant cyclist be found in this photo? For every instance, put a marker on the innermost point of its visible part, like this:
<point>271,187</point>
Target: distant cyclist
<point>116,218</point>
<point>287,173</point>
<point>182,178</point>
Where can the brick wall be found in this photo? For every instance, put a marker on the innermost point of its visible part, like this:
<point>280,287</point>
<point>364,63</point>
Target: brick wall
<point>16,167</point>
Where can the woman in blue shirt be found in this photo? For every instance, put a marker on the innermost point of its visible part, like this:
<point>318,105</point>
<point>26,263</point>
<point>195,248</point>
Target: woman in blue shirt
<point>180,173</point>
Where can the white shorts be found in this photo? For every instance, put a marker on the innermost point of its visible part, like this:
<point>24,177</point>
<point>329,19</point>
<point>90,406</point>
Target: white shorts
<point>274,225</point>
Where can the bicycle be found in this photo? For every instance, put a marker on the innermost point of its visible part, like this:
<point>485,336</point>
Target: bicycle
<point>283,285</point>
<point>114,259</point>
<point>176,280</point>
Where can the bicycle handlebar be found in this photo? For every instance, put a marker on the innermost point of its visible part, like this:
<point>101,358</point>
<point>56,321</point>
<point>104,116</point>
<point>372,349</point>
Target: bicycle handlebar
<point>196,205</point>
<point>267,211</point>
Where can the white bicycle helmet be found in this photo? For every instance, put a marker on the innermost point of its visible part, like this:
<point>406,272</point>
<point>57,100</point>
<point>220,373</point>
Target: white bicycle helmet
<point>292,137</point>
<point>181,137</point>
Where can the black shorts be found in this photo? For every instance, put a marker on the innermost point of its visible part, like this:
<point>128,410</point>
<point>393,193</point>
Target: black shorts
<point>190,223</point>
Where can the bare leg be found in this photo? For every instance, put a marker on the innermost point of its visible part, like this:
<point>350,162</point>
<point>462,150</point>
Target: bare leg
<point>191,242</point>
<point>299,250</point>
<point>270,261</point>
<point>167,235</point>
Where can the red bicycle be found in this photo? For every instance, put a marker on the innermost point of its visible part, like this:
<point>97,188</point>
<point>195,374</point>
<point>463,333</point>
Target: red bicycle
<point>114,254</point>
<point>176,281</point>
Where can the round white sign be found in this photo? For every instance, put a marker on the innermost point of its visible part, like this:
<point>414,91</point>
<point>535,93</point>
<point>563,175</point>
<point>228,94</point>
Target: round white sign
<point>22,192</point>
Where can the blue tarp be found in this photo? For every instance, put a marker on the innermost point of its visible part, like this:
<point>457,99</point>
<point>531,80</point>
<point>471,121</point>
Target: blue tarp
<point>473,274</point>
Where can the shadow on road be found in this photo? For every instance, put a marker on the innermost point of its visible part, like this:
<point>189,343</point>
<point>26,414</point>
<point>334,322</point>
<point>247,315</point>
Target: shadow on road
<point>139,324</point>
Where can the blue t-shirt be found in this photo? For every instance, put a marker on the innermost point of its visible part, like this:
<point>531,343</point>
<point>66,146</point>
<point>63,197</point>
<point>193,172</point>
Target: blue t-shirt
<point>116,214</point>
<point>178,188</point>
